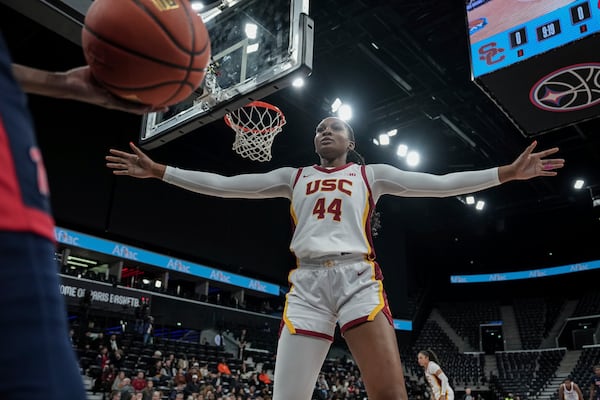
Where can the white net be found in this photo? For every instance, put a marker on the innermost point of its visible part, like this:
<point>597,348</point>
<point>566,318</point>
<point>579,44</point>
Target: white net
<point>255,126</point>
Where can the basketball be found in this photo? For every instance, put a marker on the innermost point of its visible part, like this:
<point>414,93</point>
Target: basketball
<point>153,52</point>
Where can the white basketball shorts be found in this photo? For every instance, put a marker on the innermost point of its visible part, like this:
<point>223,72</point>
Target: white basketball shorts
<point>346,290</point>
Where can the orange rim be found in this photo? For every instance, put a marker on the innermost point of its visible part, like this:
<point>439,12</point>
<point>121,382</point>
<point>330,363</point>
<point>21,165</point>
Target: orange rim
<point>267,129</point>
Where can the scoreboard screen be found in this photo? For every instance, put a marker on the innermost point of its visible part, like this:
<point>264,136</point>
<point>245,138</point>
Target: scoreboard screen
<point>504,32</point>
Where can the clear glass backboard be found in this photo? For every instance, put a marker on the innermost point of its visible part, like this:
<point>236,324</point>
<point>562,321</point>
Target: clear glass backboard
<point>258,47</point>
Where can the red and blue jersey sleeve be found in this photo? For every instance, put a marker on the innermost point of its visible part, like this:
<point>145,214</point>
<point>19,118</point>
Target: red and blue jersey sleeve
<point>24,193</point>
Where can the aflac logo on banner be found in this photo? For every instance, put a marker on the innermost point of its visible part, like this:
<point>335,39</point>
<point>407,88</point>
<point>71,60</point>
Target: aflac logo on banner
<point>220,276</point>
<point>257,285</point>
<point>178,265</point>
<point>579,267</point>
<point>64,237</point>
<point>123,251</point>
<point>497,277</point>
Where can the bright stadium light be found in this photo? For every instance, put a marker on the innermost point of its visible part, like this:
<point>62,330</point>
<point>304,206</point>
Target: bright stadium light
<point>345,112</point>
<point>402,150</point>
<point>413,158</point>
<point>250,31</point>
<point>384,139</point>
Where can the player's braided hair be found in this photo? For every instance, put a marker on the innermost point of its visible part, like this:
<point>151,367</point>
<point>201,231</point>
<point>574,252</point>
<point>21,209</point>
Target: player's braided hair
<point>359,159</point>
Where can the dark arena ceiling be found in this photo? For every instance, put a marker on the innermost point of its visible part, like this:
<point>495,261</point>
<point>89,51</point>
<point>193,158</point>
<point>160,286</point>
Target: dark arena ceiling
<point>401,64</point>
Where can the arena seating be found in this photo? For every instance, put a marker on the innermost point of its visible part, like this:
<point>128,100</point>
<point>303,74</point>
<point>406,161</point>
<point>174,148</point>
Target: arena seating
<point>465,317</point>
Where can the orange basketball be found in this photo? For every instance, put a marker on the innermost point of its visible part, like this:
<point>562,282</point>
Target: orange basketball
<point>150,51</point>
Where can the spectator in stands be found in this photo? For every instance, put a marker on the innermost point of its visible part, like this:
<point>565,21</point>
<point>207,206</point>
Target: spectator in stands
<point>242,343</point>
<point>569,390</point>
<point>73,338</point>
<point>179,377</point>
<point>223,368</point>
<point>335,251</point>
<point>169,370</point>
<point>193,387</point>
<point>509,396</point>
<point>115,395</point>
<point>595,384</point>
<point>264,378</point>
<point>113,344</point>
<point>148,391</point>
<point>139,382</point>
<point>127,389</point>
<point>116,359</point>
<point>468,395</point>
<point>183,363</point>
<point>178,389</point>
<point>219,339</point>
<point>107,377</point>
<point>322,388</point>
<point>103,358</point>
<point>437,379</point>
<point>119,380</point>
<point>195,370</point>
<point>156,395</point>
<point>148,330</point>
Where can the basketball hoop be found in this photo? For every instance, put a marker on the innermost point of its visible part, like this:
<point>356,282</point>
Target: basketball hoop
<point>255,126</point>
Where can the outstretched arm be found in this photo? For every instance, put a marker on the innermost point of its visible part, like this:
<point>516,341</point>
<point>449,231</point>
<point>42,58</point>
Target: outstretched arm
<point>386,179</point>
<point>74,84</point>
<point>277,183</point>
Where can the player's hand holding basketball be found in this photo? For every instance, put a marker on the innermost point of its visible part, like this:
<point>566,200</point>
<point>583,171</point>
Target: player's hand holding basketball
<point>75,84</point>
<point>136,164</point>
<point>83,87</point>
<point>530,165</point>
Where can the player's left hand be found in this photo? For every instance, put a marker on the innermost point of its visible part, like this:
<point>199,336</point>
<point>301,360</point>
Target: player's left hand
<point>529,164</point>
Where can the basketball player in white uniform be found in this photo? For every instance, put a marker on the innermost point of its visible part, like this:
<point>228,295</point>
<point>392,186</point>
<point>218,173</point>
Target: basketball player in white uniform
<point>569,390</point>
<point>437,379</point>
<point>337,279</point>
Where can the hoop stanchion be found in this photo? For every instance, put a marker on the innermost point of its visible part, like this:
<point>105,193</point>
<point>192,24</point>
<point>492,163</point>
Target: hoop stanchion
<point>255,125</point>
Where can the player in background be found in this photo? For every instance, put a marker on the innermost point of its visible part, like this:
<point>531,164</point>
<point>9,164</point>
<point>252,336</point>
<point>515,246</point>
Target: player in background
<point>569,390</point>
<point>34,322</point>
<point>436,378</point>
<point>337,279</point>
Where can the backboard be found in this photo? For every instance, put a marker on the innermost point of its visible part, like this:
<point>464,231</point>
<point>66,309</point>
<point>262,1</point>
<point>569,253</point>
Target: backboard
<point>258,47</point>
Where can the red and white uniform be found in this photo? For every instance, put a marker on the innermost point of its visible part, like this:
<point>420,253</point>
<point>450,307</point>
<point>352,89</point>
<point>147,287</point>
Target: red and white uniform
<point>332,209</point>
<point>438,382</point>
<point>337,279</point>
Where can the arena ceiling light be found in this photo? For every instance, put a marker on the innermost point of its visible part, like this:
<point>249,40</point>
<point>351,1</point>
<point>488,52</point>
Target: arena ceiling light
<point>402,150</point>
<point>413,158</point>
<point>384,139</point>
<point>345,112</point>
<point>298,82</point>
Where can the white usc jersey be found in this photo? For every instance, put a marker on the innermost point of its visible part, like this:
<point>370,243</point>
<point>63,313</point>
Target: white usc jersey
<point>435,382</point>
<point>331,210</point>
